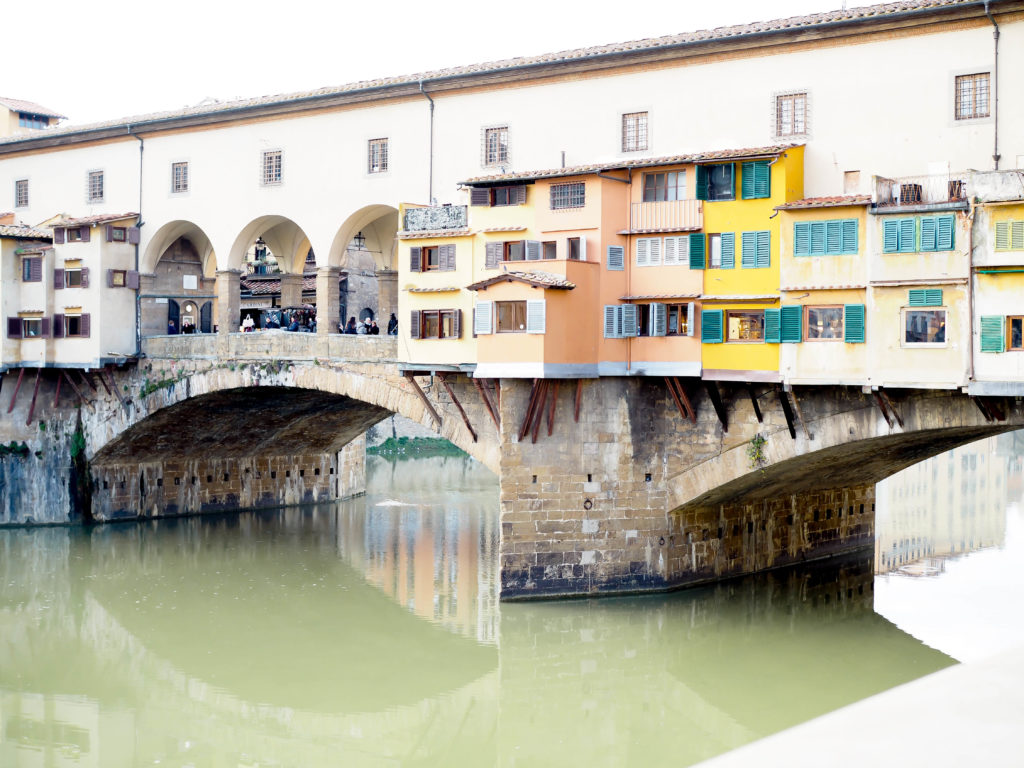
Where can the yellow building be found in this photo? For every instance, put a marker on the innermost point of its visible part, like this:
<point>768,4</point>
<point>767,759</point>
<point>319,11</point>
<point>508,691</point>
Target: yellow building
<point>18,116</point>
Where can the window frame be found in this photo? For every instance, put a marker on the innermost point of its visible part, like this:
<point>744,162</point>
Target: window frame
<point>574,249</point>
<point>378,153</point>
<point>272,168</point>
<point>27,322</point>
<point>1009,333</point>
<point>179,177</point>
<point>119,278</point>
<point>425,253</point>
<point>808,308</point>
<point>727,330</point>
<point>660,194</point>
<point>793,98</point>
<point>67,327</point>
<point>546,247</point>
<point>905,313</point>
<point>516,305</point>
<point>709,168</point>
<point>32,269</point>
<point>507,247</point>
<point>635,131</point>
<point>681,312</point>
<point>439,316</point>
<point>95,186</point>
<point>72,271</point>
<point>21,193</point>
<point>567,196</point>
<point>499,153</point>
<point>972,111</point>
<point>74,235</point>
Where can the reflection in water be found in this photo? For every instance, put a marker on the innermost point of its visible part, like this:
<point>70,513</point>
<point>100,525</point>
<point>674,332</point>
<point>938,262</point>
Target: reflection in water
<point>368,633</point>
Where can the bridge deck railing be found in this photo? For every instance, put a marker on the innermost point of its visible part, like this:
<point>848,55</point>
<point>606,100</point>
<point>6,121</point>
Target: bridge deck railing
<point>271,345</point>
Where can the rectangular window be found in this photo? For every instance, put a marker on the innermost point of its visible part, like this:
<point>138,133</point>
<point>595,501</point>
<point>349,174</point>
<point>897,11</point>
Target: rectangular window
<point>575,251</point>
<point>73,325</point>
<point>377,156</point>
<point>94,187</point>
<point>550,250</point>
<point>439,324</point>
<point>271,167</point>
<point>73,278</point>
<point>21,193</point>
<point>791,114</point>
<point>714,251</point>
<point>972,96</point>
<point>514,250</point>
<point>568,195</point>
<point>496,146</point>
<point>745,326</point>
<point>924,326</point>
<point>511,316</point>
<point>1015,333</point>
<point>430,259</point>
<point>678,320</point>
<point>118,234</point>
<point>118,278</point>
<point>29,120</point>
<point>32,270</point>
<point>179,177</point>
<point>1010,235</point>
<point>824,323</point>
<point>756,250</point>
<point>662,187</point>
<point>31,326</point>
<point>716,182</point>
<point>634,132</point>
<point>75,234</point>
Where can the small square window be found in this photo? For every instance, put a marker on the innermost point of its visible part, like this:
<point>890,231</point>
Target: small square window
<point>823,323</point>
<point>660,187</point>
<point>73,278</point>
<point>377,159</point>
<point>513,250</point>
<point>31,326</point>
<point>118,278</point>
<point>568,195</point>
<point>791,114</point>
<point>271,167</point>
<point>32,270</point>
<point>74,235</point>
<point>21,193</point>
<point>972,96</point>
<point>94,191</point>
<point>511,316</point>
<point>550,250</point>
<point>745,326</point>
<point>179,177</point>
<point>118,234</point>
<point>634,132</point>
<point>496,145</point>
<point>923,327</point>
<point>1015,333</point>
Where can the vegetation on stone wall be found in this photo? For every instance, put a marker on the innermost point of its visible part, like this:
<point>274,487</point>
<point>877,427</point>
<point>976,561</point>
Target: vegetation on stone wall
<point>14,449</point>
<point>409,447</point>
<point>755,452</point>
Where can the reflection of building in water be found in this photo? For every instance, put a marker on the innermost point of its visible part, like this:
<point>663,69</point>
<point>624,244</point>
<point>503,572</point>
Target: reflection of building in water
<point>946,506</point>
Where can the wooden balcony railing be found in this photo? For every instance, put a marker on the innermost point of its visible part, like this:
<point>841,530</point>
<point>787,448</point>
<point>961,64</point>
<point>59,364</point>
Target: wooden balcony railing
<point>667,216</point>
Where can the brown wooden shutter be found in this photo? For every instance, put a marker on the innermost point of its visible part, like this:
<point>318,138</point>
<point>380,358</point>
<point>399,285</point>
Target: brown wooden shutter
<point>131,279</point>
<point>85,277</point>
<point>414,324</point>
<point>44,327</point>
<point>58,279</point>
<point>416,259</point>
<point>457,323</point>
<point>447,258</point>
<point>133,235</point>
<point>86,230</point>
<point>58,235</point>
<point>520,197</point>
<point>84,326</point>
<point>492,255</point>
<point>110,233</point>
<point>479,196</point>
<point>58,326</point>
<point>110,278</point>
<point>37,270</point>
<point>14,327</point>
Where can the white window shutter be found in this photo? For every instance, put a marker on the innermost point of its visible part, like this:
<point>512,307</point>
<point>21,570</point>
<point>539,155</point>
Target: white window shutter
<point>655,249</point>
<point>611,321</point>
<point>671,251</point>
<point>535,316</point>
<point>689,319</point>
<point>616,258</point>
<point>642,252</point>
<point>629,315</point>
<point>658,319</point>
<point>532,250</point>
<point>482,318</point>
<point>583,248</point>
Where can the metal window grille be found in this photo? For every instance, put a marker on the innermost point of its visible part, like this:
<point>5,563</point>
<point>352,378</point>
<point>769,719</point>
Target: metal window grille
<point>568,195</point>
<point>95,188</point>
<point>21,193</point>
<point>179,177</point>
<point>496,146</point>
<point>791,114</point>
<point>272,167</point>
<point>377,160</point>
<point>972,93</point>
<point>634,132</point>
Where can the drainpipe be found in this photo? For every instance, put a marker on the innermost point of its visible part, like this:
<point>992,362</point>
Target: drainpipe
<point>970,290</point>
<point>995,88</point>
<point>430,175</point>
<point>138,300</point>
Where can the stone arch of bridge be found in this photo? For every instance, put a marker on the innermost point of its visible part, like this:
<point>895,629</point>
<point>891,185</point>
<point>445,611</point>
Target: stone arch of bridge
<point>284,237</point>
<point>846,448</point>
<point>245,407</point>
<point>378,224</point>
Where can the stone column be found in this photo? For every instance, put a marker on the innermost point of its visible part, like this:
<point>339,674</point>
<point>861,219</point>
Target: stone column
<point>228,301</point>
<point>387,296</point>
<point>328,300</point>
<point>291,290</point>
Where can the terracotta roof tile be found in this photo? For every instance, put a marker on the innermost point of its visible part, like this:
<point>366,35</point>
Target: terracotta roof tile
<point>263,287</point>
<point>652,296</point>
<point>850,287</point>
<point>99,218</point>
<point>795,23</point>
<point>504,229</point>
<point>27,233</point>
<point>403,235</point>
<point>538,279</point>
<point>825,202</point>
<point>20,105</point>
<point>445,289</point>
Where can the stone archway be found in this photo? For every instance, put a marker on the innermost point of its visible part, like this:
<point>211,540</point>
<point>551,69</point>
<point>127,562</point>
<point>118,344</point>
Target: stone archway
<point>177,282</point>
<point>365,248</point>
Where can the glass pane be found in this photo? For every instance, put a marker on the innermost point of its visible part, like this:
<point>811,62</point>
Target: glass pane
<point>824,322</point>
<point>1016,332</point>
<point>925,327</point>
<point>447,325</point>
<point>429,325</point>
<point>746,326</point>
<point>515,251</point>
<point>716,251</point>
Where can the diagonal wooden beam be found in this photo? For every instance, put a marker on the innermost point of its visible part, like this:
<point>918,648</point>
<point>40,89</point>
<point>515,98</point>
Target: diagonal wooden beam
<point>551,409</point>
<point>888,402</point>
<point>983,407</point>
<point>496,383</point>
<point>716,400</point>
<point>81,397</point>
<point>530,405</point>
<point>787,410</point>
<point>103,381</point>
<point>444,383</point>
<point>35,394</point>
<point>113,385</point>
<point>686,400</point>
<point>423,397</point>
<point>800,416</point>
<point>17,386</point>
<point>675,396</point>
<point>538,413</point>
<point>88,380</point>
<point>579,391</point>
<point>882,408</point>
<point>56,396</point>
<point>753,402</point>
<point>495,417</point>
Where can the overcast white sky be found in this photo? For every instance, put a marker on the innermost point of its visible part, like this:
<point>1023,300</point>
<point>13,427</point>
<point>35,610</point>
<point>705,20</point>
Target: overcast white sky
<point>106,59</point>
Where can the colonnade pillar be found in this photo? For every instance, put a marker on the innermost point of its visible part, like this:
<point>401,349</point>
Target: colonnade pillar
<point>328,300</point>
<point>291,290</point>
<point>387,296</point>
<point>228,300</point>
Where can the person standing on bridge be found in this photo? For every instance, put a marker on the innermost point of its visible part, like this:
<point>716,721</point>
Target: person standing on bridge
<point>393,325</point>
<point>172,329</point>
<point>351,327</point>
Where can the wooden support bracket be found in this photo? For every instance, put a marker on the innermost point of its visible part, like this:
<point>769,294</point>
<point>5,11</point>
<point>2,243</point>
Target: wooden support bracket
<point>35,394</point>
<point>88,379</point>
<point>56,396</point>
<point>753,402</point>
<point>787,410</point>
<point>716,400</point>
<point>538,414</point>
<point>81,397</point>
<point>800,415</point>
<point>444,383</point>
<point>495,417</point>
<point>579,391</point>
<point>883,409</point>
<point>675,388</point>
<point>105,372</point>
<point>423,396</point>
<point>551,409</point>
<point>17,386</point>
<point>530,405</point>
<point>888,402</point>
<point>103,381</point>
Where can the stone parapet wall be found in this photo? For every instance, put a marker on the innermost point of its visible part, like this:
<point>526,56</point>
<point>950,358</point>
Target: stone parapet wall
<point>276,344</point>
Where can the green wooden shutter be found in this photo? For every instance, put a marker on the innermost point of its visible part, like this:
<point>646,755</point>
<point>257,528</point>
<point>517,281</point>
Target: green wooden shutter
<point>756,180</point>
<point>928,232</point>
<point>697,250</point>
<point>802,238</point>
<point>763,179</point>
<point>890,236</point>
<point>818,238</point>
<point>1002,235</point>
<point>728,240</point>
<point>1017,235</point>
<point>711,326</point>
<point>833,237</point>
<point>908,235</point>
<point>791,324</point>
<point>748,250</point>
<point>702,182</point>
<point>853,323</point>
<point>945,226</point>
<point>772,326</point>
<point>993,337</point>
<point>849,236</point>
<point>925,297</point>
<point>764,250</point>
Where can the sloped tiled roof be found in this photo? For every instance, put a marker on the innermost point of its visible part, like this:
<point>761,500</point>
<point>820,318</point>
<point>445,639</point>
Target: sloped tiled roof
<point>20,105</point>
<point>837,18</point>
<point>100,218</point>
<point>26,233</point>
<point>536,279</point>
<point>825,202</point>
<point>266,287</point>
<point>643,162</point>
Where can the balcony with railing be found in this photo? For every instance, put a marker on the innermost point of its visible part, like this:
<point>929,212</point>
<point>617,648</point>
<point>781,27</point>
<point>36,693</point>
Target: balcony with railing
<point>666,216</point>
<point>945,190</point>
